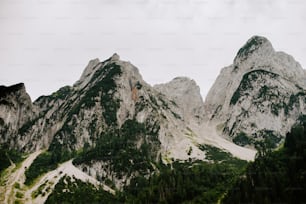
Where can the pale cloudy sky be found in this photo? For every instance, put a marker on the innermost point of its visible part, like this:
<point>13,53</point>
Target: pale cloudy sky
<point>47,43</point>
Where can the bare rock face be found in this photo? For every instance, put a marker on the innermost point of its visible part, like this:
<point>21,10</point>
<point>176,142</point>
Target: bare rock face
<point>123,126</point>
<point>87,73</point>
<point>185,93</point>
<point>261,94</point>
<point>15,110</point>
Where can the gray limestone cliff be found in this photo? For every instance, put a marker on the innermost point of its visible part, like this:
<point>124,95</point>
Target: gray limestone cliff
<point>260,95</point>
<point>15,110</point>
<point>186,93</point>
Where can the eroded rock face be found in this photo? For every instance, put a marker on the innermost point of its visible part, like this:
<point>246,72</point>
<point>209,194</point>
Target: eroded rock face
<point>185,93</point>
<point>15,110</point>
<point>157,108</point>
<point>263,91</point>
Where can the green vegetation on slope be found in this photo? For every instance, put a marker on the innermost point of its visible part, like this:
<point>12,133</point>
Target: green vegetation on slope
<point>246,84</point>
<point>179,182</point>
<point>275,177</point>
<point>184,182</point>
<point>107,86</point>
<point>103,87</point>
<point>42,164</point>
<point>26,126</point>
<point>269,138</point>
<point>294,100</point>
<point>71,190</point>
<point>217,155</point>
<point>62,93</point>
<point>5,90</point>
<point>242,139</point>
<point>47,161</point>
<point>154,182</point>
<point>119,148</point>
<point>6,155</point>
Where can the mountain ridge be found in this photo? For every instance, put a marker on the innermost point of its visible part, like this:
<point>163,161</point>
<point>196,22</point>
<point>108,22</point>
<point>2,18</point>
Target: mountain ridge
<point>115,127</point>
<point>257,54</point>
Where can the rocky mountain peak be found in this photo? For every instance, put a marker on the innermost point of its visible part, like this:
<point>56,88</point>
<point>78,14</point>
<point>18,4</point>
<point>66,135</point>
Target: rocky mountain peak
<point>181,85</point>
<point>256,46</point>
<point>15,109</point>
<point>258,53</point>
<point>262,91</point>
<point>186,93</point>
<point>94,65</point>
<point>5,90</point>
<point>115,57</point>
<point>15,92</point>
<point>185,80</point>
<point>87,73</point>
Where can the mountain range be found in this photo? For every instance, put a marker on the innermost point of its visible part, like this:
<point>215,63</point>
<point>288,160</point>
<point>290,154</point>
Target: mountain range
<point>112,127</point>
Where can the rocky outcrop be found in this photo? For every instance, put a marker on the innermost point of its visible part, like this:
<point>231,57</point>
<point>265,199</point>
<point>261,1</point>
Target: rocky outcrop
<point>87,73</point>
<point>261,94</point>
<point>118,127</point>
<point>185,93</point>
<point>15,110</point>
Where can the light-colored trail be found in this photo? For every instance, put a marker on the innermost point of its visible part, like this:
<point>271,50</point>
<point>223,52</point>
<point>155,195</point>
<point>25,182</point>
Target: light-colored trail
<point>16,174</point>
<point>210,136</point>
<point>48,181</point>
<point>14,178</point>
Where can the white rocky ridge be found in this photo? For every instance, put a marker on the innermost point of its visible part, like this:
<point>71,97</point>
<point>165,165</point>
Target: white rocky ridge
<point>87,73</point>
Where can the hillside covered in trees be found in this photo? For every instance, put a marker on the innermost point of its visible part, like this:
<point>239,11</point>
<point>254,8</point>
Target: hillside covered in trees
<point>275,176</point>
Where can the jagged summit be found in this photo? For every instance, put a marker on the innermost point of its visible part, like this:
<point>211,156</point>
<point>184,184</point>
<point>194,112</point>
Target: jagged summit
<point>256,45</point>
<point>116,127</point>
<point>186,93</point>
<point>4,90</point>
<point>87,73</point>
<point>95,64</point>
<point>262,91</point>
<point>258,53</point>
<point>115,57</point>
<point>14,86</point>
<point>15,109</point>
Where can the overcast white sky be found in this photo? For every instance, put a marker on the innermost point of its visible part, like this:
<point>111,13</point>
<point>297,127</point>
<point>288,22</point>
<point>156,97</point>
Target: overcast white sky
<point>47,43</point>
